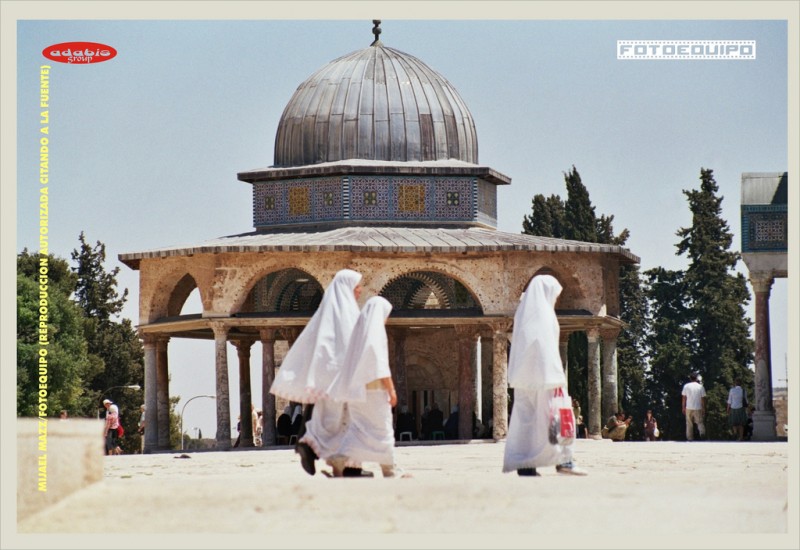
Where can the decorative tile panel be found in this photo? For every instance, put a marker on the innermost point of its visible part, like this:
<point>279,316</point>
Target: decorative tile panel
<point>765,228</point>
<point>299,201</point>
<point>370,197</point>
<point>453,199</point>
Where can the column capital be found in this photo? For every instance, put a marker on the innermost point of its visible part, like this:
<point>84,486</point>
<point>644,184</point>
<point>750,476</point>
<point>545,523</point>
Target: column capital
<point>220,329</point>
<point>609,333</point>
<point>468,332</point>
<point>290,334</point>
<point>761,282</point>
<point>268,334</point>
<point>148,338</point>
<point>500,326</point>
<point>243,344</point>
<point>593,333</point>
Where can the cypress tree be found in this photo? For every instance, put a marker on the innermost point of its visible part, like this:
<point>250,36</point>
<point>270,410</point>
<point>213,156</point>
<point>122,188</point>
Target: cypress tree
<point>723,349</point>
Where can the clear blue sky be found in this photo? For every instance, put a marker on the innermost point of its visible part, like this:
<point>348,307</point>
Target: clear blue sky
<point>145,148</point>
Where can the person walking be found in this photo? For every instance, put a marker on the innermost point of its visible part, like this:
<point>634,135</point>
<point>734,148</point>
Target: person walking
<point>364,384</point>
<point>316,356</point>
<point>537,376</point>
<point>110,428</point>
<point>693,406</point>
<point>737,412</point>
<point>650,426</point>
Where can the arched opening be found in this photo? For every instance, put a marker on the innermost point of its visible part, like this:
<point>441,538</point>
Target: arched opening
<point>287,291</point>
<point>179,299</point>
<point>429,290</point>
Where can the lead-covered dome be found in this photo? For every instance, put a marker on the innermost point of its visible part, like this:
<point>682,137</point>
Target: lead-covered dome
<point>377,104</point>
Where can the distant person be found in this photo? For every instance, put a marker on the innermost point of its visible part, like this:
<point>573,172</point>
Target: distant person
<point>737,412</point>
<point>451,426</point>
<point>364,383</point>
<point>110,428</point>
<point>650,426</point>
<point>314,359</point>
<point>435,420</point>
<point>238,431</point>
<point>580,427</point>
<point>406,423</point>
<point>284,424</point>
<point>616,427</point>
<point>536,373</point>
<point>63,415</point>
<point>141,425</point>
<point>693,406</point>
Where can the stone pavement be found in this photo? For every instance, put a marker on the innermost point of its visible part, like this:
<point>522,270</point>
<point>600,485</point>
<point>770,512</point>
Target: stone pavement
<point>637,495</point>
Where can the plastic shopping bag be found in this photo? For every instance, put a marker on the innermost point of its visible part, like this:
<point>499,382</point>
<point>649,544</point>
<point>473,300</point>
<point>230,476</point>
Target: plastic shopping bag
<point>562,419</point>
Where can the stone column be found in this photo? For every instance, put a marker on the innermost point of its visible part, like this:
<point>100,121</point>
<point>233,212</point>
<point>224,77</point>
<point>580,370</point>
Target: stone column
<point>467,336</point>
<point>764,414</point>
<point>500,379</point>
<point>269,435</point>
<point>245,393</point>
<point>610,378</point>
<point>223,395</point>
<point>476,368</point>
<point>162,393</point>
<point>399,375</point>
<point>563,352</point>
<point>595,421</point>
<point>150,393</point>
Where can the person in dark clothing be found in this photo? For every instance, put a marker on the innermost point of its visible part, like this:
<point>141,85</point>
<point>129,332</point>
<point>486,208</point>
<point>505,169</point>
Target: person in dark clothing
<point>435,420</point>
<point>284,425</point>
<point>451,426</point>
<point>405,423</point>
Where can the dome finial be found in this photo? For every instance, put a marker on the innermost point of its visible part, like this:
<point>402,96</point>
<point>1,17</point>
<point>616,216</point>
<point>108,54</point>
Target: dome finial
<point>376,30</point>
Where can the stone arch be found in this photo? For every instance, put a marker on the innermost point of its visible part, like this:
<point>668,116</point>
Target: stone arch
<point>169,294</point>
<point>180,293</point>
<point>428,289</point>
<point>288,290</point>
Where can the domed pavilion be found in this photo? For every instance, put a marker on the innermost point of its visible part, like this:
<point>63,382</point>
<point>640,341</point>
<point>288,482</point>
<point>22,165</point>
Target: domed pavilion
<point>376,169</point>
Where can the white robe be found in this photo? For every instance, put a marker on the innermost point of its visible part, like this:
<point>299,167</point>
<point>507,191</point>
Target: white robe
<point>368,435</point>
<point>534,371</point>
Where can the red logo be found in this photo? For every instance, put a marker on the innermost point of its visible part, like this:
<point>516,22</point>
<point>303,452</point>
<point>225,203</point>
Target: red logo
<point>79,52</point>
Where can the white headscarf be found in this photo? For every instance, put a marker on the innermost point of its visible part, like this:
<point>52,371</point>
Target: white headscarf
<point>367,357</point>
<point>315,357</point>
<point>535,362</point>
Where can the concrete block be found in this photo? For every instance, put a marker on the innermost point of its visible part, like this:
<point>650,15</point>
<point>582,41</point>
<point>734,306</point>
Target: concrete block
<point>56,459</point>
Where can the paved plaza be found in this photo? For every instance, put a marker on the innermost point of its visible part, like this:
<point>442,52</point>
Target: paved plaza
<point>637,495</point>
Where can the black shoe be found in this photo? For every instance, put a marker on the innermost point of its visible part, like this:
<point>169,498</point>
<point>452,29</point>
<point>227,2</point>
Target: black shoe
<point>356,472</point>
<point>307,457</point>
<point>528,472</point>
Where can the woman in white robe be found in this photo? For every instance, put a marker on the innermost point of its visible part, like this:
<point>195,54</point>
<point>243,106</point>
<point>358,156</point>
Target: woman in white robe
<point>313,361</point>
<point>535,372</point>
<point>365,384</point>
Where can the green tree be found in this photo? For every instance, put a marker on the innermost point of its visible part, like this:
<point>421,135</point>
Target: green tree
<point>669,348</point>
<point>722,347</point>
<point>69,365</point>
<point>581,222</point>
<point>631,349</point>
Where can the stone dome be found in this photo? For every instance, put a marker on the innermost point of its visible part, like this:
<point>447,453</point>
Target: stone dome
<point>377,104</point>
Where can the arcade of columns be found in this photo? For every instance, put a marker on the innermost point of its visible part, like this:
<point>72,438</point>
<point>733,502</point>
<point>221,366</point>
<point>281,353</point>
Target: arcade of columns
<point>603,392</point>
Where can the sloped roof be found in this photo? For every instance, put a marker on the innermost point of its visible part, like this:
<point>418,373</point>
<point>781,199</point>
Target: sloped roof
<point>382,240</point>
